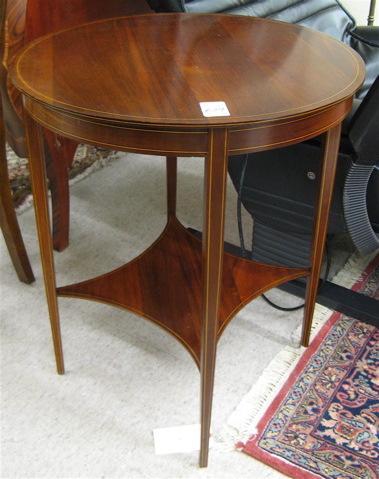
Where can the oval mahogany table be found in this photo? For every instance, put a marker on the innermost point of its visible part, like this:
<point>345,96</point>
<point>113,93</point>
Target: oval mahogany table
<point>138,84</point>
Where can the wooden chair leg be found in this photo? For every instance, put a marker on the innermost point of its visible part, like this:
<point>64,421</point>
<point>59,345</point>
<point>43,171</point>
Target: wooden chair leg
<point>8,219</point>
<point>59,153</point>
<point>43,18</point>
<point>28,20</point>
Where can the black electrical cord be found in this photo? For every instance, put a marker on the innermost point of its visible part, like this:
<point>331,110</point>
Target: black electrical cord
<point>295,308</point>
<point>239,208</point>
<point>243,249</point>
<point>282,308</point>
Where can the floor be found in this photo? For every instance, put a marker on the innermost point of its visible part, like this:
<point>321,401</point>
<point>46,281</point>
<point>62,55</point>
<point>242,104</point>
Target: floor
<point>124,376</point>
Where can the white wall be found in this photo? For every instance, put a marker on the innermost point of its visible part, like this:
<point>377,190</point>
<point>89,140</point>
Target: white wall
<point>359,9</point>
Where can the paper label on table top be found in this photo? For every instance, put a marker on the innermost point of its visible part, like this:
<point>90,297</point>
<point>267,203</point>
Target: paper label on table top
<point>175,439</point>
<point>214,108</point>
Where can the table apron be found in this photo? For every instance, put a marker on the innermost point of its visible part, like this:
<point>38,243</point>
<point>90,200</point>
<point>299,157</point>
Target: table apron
<point>191,141</point>
<point>285,132</point>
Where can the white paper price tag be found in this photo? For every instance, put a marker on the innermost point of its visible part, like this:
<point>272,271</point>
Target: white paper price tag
<point>214,108</point>
<point>176,439</point>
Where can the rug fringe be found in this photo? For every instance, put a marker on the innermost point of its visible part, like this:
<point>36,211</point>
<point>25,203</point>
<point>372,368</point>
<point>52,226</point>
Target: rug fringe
<point>350,274</point>
<point>353,270</point>
<point>253,406</point>
<point>321,314</point>
<point>241,423</point>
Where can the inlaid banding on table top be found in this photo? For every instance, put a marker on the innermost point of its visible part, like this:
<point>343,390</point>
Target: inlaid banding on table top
<point>174,89</point>
<point>181,141</point>
<point>38,111</point>
<point>144,139</point>
<point>241,144</point>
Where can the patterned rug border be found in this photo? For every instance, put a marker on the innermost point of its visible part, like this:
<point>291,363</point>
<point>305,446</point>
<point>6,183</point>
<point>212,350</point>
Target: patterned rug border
<point>252,447</point>
<point>244,419</point>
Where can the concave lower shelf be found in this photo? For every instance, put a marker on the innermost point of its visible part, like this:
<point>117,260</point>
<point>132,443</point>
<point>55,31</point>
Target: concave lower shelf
<point>164,285</point>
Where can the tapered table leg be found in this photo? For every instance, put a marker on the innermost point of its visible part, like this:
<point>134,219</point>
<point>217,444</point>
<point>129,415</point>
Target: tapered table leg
<point>327,171</point>
<point>39,186</point>
<point>216,165</point>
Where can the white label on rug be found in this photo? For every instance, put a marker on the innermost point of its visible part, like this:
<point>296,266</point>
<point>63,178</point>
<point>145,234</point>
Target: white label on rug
<point>169,440</point>
<point>214,108</point>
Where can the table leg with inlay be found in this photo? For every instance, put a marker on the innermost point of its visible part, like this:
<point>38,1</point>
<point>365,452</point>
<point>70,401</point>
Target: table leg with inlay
<point>39,185</point>
<point>216,164</point>
<point>328,165</point>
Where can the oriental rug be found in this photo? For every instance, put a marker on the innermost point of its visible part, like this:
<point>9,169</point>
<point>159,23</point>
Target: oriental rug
<point>87,160</point>
<point>324,422</point>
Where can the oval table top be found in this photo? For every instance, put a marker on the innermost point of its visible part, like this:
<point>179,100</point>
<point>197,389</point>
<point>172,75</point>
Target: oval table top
<point>157,69</point>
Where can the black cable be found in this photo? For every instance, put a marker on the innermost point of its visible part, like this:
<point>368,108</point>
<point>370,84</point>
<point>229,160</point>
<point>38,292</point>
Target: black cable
<point>295,308</point>
<point>243,249</point>
<point>281,308</point>
<point>239,204</point>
